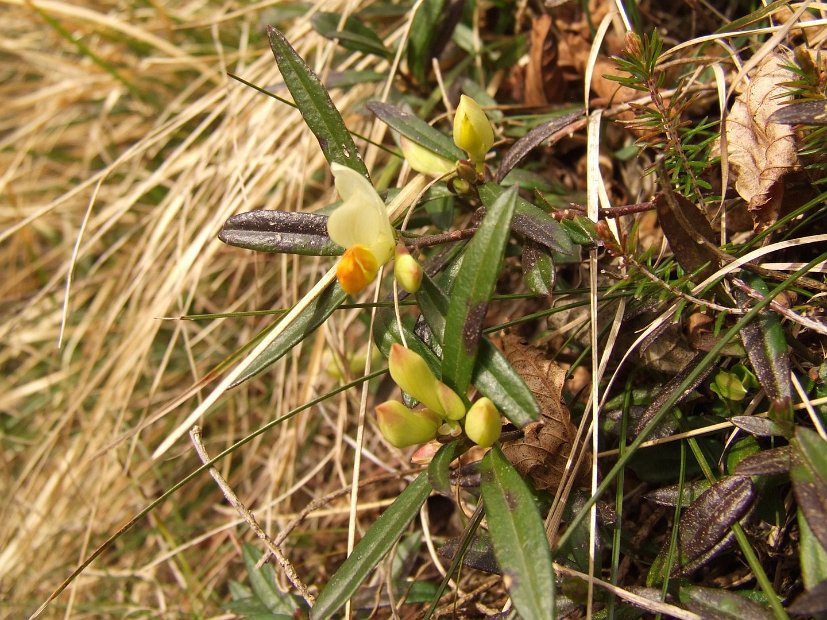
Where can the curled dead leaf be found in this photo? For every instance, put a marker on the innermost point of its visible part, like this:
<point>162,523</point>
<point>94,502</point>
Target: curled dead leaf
<point>542,452</point>
<point>761,150</point>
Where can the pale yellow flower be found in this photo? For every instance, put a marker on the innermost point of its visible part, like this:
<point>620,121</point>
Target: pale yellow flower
<point>361,226</point>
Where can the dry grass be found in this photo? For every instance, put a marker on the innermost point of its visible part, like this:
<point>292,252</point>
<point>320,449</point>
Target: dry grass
<point>132,148</point>
<point>125,147</point>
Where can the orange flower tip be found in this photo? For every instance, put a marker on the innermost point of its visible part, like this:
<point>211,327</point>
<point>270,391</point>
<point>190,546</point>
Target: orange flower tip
<point>356,269</point>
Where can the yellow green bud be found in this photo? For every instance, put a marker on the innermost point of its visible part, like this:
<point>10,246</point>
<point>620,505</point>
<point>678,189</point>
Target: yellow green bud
<point>452,406</point>
<point>472,129</point>
<point>483,423</point>
<point>403,427</point>
<point>407,270</point>
<point>411,372</point>
<point>425,161</point>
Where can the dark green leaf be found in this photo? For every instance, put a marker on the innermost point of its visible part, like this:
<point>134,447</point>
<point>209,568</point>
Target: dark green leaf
<point>354,35</point>
<point>767,349</point>
<point>479,555</point>
<point>538,269</point>
<point>424,28</point>
<point>532,222</point>
<point>533,139</point>
<point>314,103</point>
<point>346,79</point>
<point>766,463</point>
<point>809,476</point>
<point>378,540</point>
<point>761,427</point>
<point>439,468</point>
<point>580,230</point>
<point>705,526</point>
<point>493,375</point>
<point>668,496</point>
<point>416,130</point>
<point>263,582</point>
<point>719,604</point>
<point>472,291</point>
<point>667,391</point>
<point>813,555</point>
<point>288,232</point>
<point>314,315</point>
<point>519,537</point>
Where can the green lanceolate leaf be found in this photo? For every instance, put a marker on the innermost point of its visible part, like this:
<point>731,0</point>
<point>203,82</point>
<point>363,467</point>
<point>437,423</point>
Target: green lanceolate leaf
<point>715,604</point>
<point>705,525</point>
<point>416,130</point>
<point>372,548</point>
<point>538,269</point>
<point>493,376</point>
<point>263,582</point>
<point>533,139</point>
<point>519,538</point>
<point>314,315</point>
<point>354,35</point>
<point>532,222</point>
<point>768,353</point>
<point>439,467</point>
<point>809,476</point>
<point>424,28</point>
<point>813,555</point>
<point>314,103</point>
<point>472,290</point>
<point>288,232</point>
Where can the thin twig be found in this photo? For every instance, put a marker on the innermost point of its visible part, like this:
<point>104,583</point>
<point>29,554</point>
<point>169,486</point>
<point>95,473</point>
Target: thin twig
<point>428,240</point>
<point>287,567</point>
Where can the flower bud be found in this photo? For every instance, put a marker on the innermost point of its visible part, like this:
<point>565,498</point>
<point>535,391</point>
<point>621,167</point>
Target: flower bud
<point>412,373</point>
<point>403,427</point>
<point>483,423</point>
<point>407,270</point>
<point>472,129</point>
<point>424,161</point>
<point>452,406</point>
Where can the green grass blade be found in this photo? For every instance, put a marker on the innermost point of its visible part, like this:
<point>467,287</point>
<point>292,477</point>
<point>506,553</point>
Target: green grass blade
<point>314,315</point>
<point>354,35</point>
<point>315,105</point>
<point>519,538</point>
<point>472,290</point>
<point>493,375</point>
<point>372,548</point>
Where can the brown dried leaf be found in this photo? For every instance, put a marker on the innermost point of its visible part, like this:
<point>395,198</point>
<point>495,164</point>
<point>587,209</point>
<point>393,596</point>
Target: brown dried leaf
<point>543,79</point>
<point>689,233</point>
<point>542,452</point>
<point>761,151</point>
